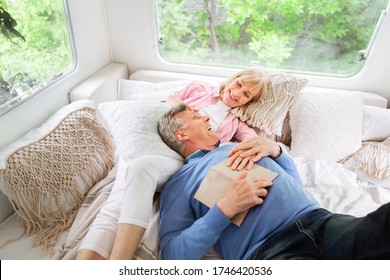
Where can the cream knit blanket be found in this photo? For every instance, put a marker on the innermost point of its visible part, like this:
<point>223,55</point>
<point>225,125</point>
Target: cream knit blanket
<point>374,159</point>
<point>46,181</point>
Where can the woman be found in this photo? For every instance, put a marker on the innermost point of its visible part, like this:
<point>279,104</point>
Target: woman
<point>240,90</point>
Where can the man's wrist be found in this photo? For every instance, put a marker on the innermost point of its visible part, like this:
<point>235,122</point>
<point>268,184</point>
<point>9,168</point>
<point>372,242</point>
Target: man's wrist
<point>225,209</point>
<point>279,152</point>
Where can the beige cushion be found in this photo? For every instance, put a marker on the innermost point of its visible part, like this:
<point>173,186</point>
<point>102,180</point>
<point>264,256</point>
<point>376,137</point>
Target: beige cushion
<point>270,111</point>
<point>371,162</point>
<point>47,173</point>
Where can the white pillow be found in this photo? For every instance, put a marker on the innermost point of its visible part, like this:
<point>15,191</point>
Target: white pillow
<point>128,88</point>
<point>376,123</point>
<point>156,95</point>
<point>133,125</point>
<point>326,125</point>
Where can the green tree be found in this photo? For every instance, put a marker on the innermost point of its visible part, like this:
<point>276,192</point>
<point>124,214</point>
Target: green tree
<point>293,34</point>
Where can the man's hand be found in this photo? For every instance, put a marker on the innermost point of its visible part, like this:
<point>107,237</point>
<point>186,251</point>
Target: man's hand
<point>242,194</point>
<point>249,151</point>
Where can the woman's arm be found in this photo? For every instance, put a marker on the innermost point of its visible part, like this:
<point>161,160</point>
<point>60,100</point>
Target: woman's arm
<point>246,153</point>
<point>183,237</point>
<point>249,151</point>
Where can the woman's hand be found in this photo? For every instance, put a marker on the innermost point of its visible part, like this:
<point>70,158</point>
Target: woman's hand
<point>249,151</point>
<point>238,162</point>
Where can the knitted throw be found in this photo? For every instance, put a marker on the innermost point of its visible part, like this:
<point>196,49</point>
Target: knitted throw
<point>268,113</point>
<point>46,181</point>
<point>374,159</point>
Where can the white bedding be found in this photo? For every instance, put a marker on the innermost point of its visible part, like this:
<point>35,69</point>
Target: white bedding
<point>334,185</point>
<point>338,189</point>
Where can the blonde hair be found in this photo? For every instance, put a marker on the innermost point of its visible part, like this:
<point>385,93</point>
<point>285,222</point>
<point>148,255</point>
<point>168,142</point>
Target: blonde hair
<point>251,75</point>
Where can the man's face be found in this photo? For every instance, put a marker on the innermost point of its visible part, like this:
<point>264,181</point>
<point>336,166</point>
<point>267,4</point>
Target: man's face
<point>197,129</point>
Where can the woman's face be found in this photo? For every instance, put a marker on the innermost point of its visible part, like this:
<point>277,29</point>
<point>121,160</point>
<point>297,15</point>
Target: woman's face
<point>237,93</point>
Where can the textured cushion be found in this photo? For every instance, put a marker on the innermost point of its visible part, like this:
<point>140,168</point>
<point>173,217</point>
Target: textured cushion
<point>47,172</point>
<point>376,123</point>
<point>269,112</point>
<point>326,125</point>
<point>371,162</point>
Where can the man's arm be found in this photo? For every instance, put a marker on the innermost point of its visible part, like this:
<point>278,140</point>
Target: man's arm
<point>286,162</point>
<point>183,237</point>
<point>243,194</point>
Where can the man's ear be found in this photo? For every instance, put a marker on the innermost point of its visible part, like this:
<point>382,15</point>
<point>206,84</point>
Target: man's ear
<point>181,136</point>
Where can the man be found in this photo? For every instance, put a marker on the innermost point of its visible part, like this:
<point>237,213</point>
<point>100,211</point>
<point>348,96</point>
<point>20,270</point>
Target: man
<point>286,224</point>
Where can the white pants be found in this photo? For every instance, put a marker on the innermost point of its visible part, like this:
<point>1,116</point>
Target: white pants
<point>131,199</point>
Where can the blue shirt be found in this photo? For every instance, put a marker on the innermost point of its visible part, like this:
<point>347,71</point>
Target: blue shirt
<point>189,229</point>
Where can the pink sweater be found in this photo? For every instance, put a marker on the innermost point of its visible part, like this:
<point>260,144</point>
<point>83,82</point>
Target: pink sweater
<point>198,94</point>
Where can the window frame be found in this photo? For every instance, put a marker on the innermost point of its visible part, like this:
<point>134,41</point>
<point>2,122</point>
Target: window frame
<point>40,88</point>
<point>362,56</point>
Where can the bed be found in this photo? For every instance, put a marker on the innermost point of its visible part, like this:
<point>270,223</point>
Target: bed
<point>339,140</point>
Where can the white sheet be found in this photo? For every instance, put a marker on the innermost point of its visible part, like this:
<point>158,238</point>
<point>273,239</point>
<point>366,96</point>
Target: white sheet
<point>335,187</point>
<point>16,246</point>
<point>338,189</point>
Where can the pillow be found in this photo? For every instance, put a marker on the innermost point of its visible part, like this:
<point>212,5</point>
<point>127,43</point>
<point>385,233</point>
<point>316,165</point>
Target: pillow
<point>156,95</point>
<point>371,163</point>
<point>326,125</point>
<point>47,173</point>
<point>128,88</point>
<point>133,126</point>
<point>269,112</point>
<point>376,123</point>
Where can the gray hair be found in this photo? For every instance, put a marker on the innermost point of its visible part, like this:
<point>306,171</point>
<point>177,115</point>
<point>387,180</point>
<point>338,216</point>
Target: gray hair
<point>168,126</point>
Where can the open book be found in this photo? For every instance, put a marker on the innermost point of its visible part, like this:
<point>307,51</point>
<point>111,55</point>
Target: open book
<point>218,179</point>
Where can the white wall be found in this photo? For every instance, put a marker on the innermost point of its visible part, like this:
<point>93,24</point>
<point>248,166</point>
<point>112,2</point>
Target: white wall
<point>93,52</point>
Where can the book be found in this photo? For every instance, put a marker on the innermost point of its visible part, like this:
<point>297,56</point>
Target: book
<point>218,179</point>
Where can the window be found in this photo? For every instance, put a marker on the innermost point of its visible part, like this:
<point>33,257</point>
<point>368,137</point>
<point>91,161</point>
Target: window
<point>35,48</point>
<point>307,36</point>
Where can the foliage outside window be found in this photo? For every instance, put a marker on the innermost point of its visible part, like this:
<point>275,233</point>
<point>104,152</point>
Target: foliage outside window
<point>35,48</point>
<point>315,36</point>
